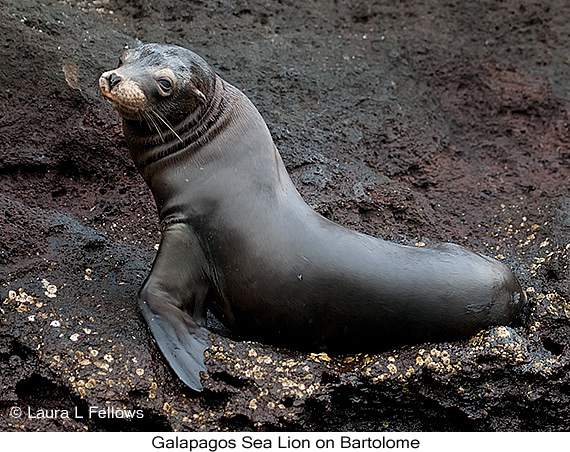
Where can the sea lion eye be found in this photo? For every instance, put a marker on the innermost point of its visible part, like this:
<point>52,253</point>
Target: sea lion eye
<point>165,84</point>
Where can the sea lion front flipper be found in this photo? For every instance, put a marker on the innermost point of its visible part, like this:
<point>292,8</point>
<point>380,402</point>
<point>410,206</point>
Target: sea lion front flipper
<point>183,348</point>
<point>172,301</point>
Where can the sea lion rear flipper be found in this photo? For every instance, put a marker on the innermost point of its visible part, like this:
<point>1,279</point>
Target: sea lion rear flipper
<point>172,301</point>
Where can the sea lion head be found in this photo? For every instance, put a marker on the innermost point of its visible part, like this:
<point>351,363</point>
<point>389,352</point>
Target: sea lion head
<point>159,85</point>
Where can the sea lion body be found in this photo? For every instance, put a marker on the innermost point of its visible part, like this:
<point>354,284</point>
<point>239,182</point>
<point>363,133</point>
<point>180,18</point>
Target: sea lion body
<point>239,240</point>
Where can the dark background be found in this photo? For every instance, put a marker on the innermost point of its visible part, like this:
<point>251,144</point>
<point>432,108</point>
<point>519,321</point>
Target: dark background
<point>415,121</point>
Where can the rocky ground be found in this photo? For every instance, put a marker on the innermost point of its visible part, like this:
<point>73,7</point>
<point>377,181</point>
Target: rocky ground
<point>420,121</point>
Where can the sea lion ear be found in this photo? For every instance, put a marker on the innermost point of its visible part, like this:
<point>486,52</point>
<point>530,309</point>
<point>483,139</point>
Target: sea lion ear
<point>199,94</point>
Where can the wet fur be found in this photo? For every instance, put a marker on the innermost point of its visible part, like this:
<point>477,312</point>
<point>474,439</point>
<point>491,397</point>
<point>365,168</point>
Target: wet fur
<point>238,240</point>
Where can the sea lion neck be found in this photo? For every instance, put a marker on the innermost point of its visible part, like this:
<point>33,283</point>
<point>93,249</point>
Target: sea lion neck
<point>207,147</point>
<point>152,149</point>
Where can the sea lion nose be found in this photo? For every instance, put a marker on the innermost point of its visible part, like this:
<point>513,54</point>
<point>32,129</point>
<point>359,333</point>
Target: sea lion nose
<point>114,79</point>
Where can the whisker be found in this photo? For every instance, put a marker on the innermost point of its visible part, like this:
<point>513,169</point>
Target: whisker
<point>165,122</point>
<point>153,124</point>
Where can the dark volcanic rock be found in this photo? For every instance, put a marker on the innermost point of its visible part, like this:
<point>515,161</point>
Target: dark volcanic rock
<point>412,121</point>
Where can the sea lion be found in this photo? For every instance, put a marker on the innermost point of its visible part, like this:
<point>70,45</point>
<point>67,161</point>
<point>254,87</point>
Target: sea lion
<point>238,239</point>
